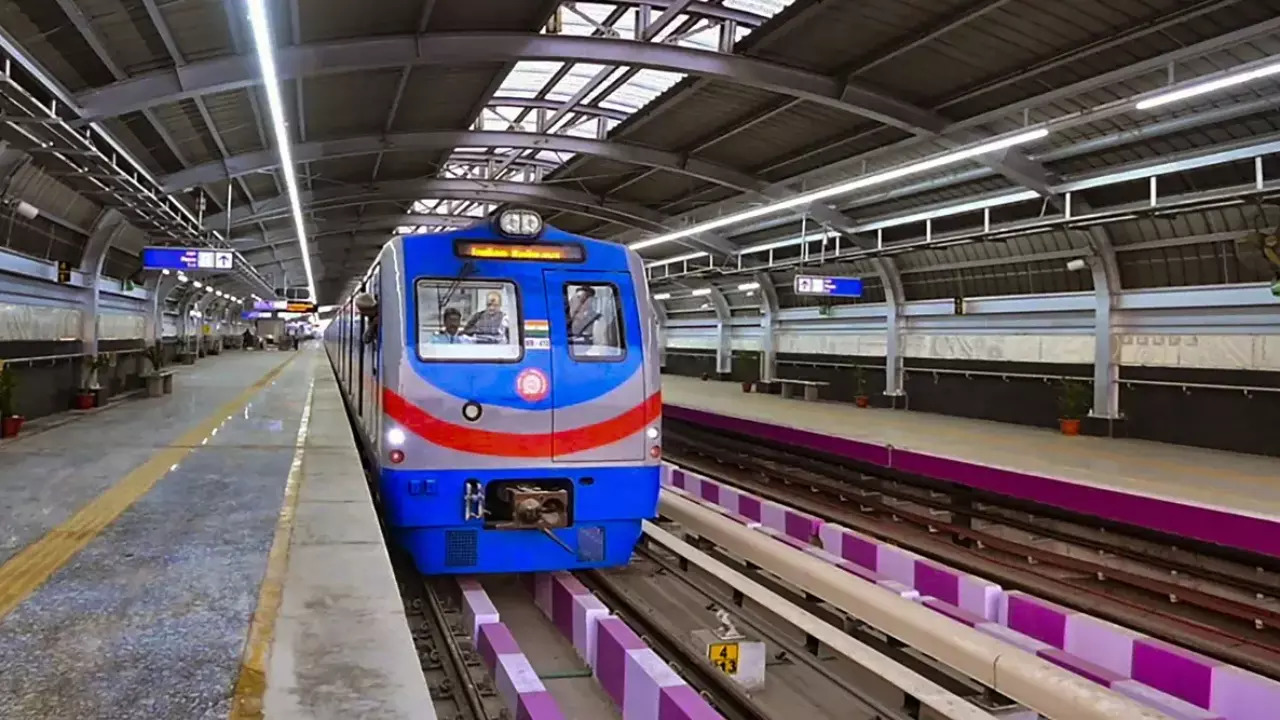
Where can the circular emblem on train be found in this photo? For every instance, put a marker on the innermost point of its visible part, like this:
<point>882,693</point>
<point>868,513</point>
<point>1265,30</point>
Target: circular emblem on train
<point>532,384</point>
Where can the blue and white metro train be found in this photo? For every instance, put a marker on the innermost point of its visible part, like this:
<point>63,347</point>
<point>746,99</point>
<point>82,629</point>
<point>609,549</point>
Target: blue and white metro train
<point>505,376</point>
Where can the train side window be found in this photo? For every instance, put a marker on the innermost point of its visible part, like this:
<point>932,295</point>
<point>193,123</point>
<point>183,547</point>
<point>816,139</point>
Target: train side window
<point>593,316</point>
<point>471,320</point>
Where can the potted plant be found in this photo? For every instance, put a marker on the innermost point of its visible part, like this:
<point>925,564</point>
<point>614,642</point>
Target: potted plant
<point>10,420</point>
<point>1073,403</point>
<point>92,394</point>
<point>860,387</point>
<point>155,381</point>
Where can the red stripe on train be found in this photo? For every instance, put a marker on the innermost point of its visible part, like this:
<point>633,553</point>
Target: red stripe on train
<point>503,444</point>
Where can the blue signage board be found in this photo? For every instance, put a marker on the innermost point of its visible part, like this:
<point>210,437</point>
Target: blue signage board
<point>177,258</point>
<point>830,286</point>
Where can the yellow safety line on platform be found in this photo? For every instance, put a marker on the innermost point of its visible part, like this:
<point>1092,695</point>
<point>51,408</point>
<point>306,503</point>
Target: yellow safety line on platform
<point>251,685</point>
<point>32,567</point>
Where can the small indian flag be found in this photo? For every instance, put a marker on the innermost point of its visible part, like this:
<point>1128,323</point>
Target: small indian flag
<point>537,328</point>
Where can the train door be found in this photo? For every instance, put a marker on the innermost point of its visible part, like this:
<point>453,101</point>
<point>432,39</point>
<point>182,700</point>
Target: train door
<point>374,419</point>
<point>598,382</point>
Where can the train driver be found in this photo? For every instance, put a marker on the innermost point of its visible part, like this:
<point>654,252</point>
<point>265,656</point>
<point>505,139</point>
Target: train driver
<point>490,325</point>
<point>582,315</point>
<point>452,326</point>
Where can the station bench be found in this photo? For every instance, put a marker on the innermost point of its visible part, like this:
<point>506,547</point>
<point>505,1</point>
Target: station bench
<point>810,387</point>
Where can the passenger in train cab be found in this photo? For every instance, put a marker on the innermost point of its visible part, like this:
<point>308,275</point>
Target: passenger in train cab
<point>452,332</point>
<point>582,314</point>
<point>491,324</point>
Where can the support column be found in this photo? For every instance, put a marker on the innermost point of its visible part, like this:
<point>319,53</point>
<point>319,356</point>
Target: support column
<point>893,299</point>
<point>203,305</point>
<point>1106,366</point>
<point>160,286</point>
<point>105,231</point>
<point>724,344</point>
<point>768,328</point>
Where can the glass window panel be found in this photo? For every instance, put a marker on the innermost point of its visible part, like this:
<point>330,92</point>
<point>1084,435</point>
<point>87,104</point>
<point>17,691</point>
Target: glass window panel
<point>475,320</point>
<point>593,316</point>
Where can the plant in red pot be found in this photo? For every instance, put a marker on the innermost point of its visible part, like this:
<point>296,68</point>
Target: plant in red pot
<point>860,387</point>
<point>10,420</point>
<point>1073,404</point>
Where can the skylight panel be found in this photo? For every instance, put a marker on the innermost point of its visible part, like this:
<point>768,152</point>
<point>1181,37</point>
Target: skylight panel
<point>641,90</point>
<point>528,77</point>
<point>574,80</point>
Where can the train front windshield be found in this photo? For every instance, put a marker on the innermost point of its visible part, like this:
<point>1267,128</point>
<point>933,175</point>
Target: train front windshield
<point>477,320</point>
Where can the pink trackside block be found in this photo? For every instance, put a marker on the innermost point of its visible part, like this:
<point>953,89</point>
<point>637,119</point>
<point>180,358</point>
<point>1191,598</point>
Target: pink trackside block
<point>613,641</point>
<point>1241,695</point>
<point>645,676</point>
<point>477,608</point>
<point>588,611</point>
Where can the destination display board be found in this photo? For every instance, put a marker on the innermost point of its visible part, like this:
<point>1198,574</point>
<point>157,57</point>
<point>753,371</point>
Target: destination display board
<point>513,251</point>
<point>829,286</point>
<point>179,258</point>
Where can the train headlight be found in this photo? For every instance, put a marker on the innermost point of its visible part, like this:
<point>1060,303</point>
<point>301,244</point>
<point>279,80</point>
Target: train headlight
<point>520,223</point>
<point>395,436</point>
<point>652,433</point>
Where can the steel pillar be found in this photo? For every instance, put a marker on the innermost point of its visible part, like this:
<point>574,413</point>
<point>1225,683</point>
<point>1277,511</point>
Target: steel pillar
<point>1106,351</point>
<point>724,345</point>
<point>893,300</point>
<point>160,287</point>
<point>768,328</point>
<point>106,229</point>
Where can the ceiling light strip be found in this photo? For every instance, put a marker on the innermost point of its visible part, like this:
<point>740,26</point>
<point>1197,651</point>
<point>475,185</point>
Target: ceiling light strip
<point>1230,79</point>
<point>271,80</point>
<point>865,181</point>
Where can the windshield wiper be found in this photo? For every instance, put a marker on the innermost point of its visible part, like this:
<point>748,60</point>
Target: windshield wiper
<point>468,268</point>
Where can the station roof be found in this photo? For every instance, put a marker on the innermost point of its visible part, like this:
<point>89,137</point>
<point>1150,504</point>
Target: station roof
<point>630,120</point>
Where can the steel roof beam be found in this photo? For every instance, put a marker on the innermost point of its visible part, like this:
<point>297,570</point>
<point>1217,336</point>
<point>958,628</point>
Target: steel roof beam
<point>371,223</point>
<point>546,104</point>
<point>239,71</point>
<point>246,163</point>
<point>484,191</point>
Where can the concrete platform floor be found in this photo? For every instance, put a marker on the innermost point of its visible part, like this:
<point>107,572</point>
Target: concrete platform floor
<point>135,542</point>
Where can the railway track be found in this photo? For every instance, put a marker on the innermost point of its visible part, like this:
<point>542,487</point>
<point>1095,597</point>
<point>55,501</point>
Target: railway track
<point>1218,607</point>
<point>460,686</point>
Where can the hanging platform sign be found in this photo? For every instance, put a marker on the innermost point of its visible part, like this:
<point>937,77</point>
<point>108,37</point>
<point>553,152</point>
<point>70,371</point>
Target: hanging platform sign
<point>177,258</point>
<point>829,286</point>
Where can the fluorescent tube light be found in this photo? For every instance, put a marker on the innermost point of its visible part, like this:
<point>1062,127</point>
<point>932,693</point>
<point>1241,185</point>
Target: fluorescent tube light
<point>271,82</point>
<point>700,292</point>
<point>677,258</point>
<point>749,286</point>
<point>662,296</point>
<point>1228,80</point>
<point>845,187</point>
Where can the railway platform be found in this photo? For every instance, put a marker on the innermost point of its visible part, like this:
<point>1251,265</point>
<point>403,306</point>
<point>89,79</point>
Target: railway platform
<point>1226,499</point>
<point>211,553</point>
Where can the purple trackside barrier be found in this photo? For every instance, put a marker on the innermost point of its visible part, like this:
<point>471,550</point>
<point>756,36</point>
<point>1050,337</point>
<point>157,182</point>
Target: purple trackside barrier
<point>896,564</point>
<point>574,610</point>
<point>1101,643</point>
<point>1037,618</point>
<point>783,537</point>
<point>1170,516</point>
<point>640,684</point>
<point>1171,669</point>
<point>849,545</point>
<point>517,683</point>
